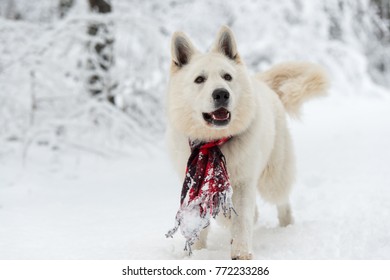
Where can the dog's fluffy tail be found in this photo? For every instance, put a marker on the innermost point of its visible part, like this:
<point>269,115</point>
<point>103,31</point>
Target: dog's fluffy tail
<point>296,82</point>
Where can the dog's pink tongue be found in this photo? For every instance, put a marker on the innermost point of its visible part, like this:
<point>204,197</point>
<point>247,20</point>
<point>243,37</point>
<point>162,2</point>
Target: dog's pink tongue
<point>220,114</point>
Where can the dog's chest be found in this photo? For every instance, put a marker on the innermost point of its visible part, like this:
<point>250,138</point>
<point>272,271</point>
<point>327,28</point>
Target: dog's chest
<point>243,159</point>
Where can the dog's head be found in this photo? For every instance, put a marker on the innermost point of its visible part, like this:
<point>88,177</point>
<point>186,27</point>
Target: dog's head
<point>209,94</point>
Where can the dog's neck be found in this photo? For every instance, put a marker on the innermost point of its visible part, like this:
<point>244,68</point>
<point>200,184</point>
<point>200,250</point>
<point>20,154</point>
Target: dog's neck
<point>208,144</point>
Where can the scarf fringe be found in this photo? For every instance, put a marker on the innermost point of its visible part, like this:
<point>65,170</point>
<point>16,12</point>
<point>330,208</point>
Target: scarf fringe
<point>224,202</point>
<point>187,247</point>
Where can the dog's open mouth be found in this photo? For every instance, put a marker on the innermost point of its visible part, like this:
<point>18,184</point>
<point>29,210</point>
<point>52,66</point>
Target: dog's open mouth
<point>219,117</point>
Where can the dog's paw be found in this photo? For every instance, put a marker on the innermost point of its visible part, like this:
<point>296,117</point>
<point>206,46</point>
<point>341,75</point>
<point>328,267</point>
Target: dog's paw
<point>240,251</point>
<point>246,256</point>
<point>284,215</point>
<point>286,221</point>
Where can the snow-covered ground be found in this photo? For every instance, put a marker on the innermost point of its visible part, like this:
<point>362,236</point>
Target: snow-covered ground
<point>76,205</point>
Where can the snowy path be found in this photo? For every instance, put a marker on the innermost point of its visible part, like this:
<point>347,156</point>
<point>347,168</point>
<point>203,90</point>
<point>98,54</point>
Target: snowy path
<point>70,206</point>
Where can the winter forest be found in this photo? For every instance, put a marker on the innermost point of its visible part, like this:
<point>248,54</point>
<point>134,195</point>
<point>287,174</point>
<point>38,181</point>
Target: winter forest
<point>84,172</point>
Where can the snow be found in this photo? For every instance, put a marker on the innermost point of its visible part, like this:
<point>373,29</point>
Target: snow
<point>80,179</point>
<point>77,205</point>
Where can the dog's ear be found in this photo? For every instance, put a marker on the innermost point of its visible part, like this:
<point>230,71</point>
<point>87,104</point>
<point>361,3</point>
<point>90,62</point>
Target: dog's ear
<point>182,49</point>
<point>226,44</point>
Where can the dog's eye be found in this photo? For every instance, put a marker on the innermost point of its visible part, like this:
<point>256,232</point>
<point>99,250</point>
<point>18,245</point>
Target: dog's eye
<point>227,77</point>
<point>200,79</point>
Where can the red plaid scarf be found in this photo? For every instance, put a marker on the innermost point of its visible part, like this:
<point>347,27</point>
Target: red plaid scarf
<point>206,189</point>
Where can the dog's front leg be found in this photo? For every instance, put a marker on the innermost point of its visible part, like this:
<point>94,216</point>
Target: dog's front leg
<point>244,199</point>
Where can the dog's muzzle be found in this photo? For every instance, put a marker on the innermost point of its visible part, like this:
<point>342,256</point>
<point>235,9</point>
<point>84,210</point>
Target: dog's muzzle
<point>220,117</point>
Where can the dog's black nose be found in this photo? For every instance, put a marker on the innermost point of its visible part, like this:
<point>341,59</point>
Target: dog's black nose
<point>221,97</point>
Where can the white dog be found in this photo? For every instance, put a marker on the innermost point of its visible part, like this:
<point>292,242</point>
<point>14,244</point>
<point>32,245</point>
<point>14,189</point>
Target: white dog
<point>211,96</point>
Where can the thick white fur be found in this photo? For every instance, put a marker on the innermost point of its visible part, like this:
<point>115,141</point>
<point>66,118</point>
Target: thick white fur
<point>260,155</point>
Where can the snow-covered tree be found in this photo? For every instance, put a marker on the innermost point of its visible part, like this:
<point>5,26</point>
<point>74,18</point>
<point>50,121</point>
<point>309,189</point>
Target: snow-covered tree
<point>100,52</point>
<point>64,6</point>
